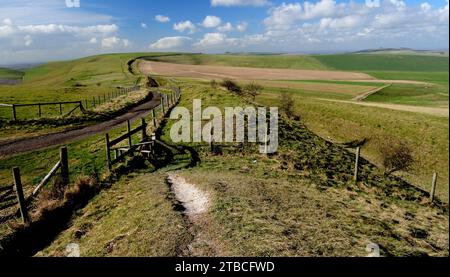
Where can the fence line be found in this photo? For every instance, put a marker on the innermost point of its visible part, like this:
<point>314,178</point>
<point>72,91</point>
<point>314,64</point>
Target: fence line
<point>80,104</point>
<point>167,102</point>
<point>8,200</point>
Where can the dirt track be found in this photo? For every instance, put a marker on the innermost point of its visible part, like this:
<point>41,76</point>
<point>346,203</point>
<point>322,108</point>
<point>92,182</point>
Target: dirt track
<point>245,73</point>
<point>441,112</point>
<point>40,142</point>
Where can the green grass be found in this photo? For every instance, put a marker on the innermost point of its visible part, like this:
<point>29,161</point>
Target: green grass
<point>10,74</point>
<point>420,95</point>
<point>75,80</point>
<point>438,77</point>
<point>300,202</point>
<point>131,219</point>
<point>371,62</point>
<point>342,122</point>
<point>259,61</point>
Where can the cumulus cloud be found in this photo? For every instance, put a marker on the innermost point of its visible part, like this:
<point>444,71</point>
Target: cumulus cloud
<point>228,27</point>
<point>211,21</point>
<point>171,43</point>
<point>213,40</point>
<point>113,42</point>
<point>284,16</point>
<point>230,3</point>
<point>350,25</point>
<point>185,26</point>
<point>162,18</point>
<point>144,25</point>
<point>242,26</point>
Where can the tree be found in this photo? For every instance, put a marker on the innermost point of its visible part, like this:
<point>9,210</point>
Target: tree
<point>287,104</point>
<point>253,89</point>
<point>395,155</point>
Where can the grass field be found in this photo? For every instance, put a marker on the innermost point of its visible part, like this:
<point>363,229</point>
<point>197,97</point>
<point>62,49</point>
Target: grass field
<point>152,229</point>
<point>297,203</point>
<point>384,62</point>
<point>8,74</point>
<point>259,61</point>
<point>420,95</point>
<point>69,81</point>
<point>341,122</point>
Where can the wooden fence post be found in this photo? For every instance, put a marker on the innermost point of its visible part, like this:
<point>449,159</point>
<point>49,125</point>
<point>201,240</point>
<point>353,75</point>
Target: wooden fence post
<point>144,129</point>
<point>108,154</point>
<point>14,112</point>
<point>433,187</point>
<point>130,142</point>
<point>64,165</point>
<point>39,110</point>
<point>20,197</point>
<point>154,117</point>
<point>211,142</point>
<point>162,105</point>
<point>358,153</point>
<point>60,109</point>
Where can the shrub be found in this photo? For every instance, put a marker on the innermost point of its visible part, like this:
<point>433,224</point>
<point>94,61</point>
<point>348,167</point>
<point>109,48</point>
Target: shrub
<point>287,104</point>
<point>150,82</point>
<point>395,155</point>
<point>232,86</point>
<point>253,89</point>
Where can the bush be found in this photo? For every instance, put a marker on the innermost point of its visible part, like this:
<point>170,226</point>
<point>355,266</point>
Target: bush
<point>287,104</point>
<point>253,89</point>
<point>395,155</point>
<point>150,82</point>
<point>232,86</point>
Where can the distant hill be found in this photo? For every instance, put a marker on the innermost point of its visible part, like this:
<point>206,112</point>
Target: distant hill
<point>403,51</point>
<point>10,74</point>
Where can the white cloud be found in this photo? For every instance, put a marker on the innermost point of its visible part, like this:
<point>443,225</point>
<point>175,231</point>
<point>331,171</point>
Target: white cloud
<point>54,28</point>
<point>228,27</point>
<point>28,40</point>
<point>347,25</point>
<point>284,16</point>
<point>144,25</point>
<point>185,25</point>
<point>426,7</point>
<point>162,18</point>
<point>114,42</point>
<point>349,21</point>
<point>171,43</point>
<point>242,27</point>
<point>217,41</point>
<point>229,3</point>
<point>93,40</point>
<point>398,3</point>
<point>211,21</point>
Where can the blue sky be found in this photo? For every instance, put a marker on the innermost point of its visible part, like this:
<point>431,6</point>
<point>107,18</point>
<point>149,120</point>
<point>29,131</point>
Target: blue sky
<point>42,30</point>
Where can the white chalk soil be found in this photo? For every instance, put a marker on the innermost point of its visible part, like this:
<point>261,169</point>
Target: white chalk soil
<point>196,203</point>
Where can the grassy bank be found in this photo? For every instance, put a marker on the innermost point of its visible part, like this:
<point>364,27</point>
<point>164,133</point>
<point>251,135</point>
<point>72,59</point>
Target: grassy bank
<point>10,74</point>
<point>341,122</point>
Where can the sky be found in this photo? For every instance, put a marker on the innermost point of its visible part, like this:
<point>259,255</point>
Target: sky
<point>45,30</point>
